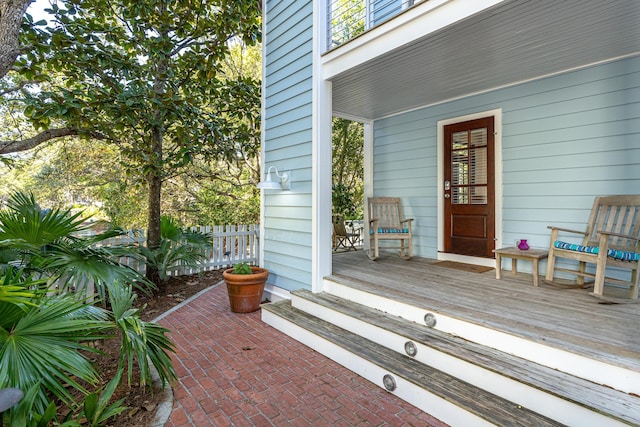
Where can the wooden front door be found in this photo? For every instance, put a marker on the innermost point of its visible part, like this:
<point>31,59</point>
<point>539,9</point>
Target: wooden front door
<point>469,188</point>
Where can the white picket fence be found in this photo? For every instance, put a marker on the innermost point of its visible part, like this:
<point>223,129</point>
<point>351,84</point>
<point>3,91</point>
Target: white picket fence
<point>231,244</point>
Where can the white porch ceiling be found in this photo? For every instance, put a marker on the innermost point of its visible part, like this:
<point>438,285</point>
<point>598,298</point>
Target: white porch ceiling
<point>515,41</point>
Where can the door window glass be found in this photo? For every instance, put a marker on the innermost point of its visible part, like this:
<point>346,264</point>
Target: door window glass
<point>469,167</point>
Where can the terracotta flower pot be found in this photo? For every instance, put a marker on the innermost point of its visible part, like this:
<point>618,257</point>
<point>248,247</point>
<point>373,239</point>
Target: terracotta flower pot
<point>245,290</point>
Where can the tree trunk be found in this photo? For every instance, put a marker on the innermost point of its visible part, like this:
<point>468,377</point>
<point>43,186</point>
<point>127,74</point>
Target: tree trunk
<point>156,167</point>
<point>154,182</point>
<point>11,12</point>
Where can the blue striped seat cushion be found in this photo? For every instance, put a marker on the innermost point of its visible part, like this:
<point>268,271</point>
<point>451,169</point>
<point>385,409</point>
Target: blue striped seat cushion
<point>613,253</point>
<point>389,230</point>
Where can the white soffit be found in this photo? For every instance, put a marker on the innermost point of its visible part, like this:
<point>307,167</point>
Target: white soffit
<point>511,42</point>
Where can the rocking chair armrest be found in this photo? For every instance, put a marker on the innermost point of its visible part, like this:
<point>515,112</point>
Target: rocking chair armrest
<point>624,236</point>
<point>567,230</point>
<point>372,221</point>
<point>406,220</point>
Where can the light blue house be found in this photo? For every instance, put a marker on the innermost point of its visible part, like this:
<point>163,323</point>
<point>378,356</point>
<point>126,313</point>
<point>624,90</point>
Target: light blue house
<point>550,92</point>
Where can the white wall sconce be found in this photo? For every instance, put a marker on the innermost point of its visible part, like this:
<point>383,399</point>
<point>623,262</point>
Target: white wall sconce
<point>282,183</point>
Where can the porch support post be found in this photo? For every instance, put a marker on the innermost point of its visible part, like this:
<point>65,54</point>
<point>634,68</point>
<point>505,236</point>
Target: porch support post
<point>263,114</point>
<point>368,177</point>
<point>321,174</point>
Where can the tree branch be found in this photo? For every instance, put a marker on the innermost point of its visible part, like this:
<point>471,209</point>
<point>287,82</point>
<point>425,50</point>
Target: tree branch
<point>17,145</point>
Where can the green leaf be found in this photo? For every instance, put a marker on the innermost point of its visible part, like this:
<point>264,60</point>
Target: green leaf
<point>91,406</point>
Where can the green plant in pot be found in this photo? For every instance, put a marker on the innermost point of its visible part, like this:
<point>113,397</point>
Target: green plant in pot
<point>245,286</point>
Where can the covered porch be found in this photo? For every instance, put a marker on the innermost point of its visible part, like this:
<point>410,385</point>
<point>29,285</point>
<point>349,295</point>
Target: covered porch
<point>549,74</point>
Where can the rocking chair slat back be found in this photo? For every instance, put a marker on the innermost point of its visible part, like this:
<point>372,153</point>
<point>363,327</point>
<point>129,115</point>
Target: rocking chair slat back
<point>619,215</point>
<point>387,210</point>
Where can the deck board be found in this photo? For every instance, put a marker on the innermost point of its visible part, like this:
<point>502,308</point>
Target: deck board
<point>569,319</point>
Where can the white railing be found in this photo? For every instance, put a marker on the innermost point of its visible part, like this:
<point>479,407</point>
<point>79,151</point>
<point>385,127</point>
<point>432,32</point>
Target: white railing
<point>348,18</point>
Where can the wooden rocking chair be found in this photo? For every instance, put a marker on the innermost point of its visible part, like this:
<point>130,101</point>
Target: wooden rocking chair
<point>341,237</point>
<point>386,223</point>
<point>612,239</point>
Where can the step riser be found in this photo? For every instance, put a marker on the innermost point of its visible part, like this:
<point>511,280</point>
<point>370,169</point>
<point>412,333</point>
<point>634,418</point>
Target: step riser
<point>418,397</point>
<point>535,399</point>
<point>574,364</point>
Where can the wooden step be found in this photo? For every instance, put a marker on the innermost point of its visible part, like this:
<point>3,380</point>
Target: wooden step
<point>585,353</point>
<point>429,389</point>
<point>545,390</point>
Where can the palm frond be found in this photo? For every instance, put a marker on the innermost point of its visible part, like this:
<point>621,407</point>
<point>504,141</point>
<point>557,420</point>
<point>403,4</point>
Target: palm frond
<point>17,288</point>
<point>77,267</point>
<point>25,220</point>
<point>170,255</point>
<point>18,293</point>
<point>142,341</point>
<point>43,346</point>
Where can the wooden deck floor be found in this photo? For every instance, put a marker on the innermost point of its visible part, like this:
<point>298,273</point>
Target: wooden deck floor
<point>569,319</point>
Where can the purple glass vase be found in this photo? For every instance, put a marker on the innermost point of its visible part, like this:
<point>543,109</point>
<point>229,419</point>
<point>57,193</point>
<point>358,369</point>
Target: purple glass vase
<point>523,245</point>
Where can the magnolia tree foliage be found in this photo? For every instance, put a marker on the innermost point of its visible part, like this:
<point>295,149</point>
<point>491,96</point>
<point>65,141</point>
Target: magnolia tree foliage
<point>348,168</point>
<point>74,172</point>
<point>143,76</point>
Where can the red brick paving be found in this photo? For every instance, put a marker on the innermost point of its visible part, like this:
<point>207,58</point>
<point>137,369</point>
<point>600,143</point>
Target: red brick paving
<point>235,370</point>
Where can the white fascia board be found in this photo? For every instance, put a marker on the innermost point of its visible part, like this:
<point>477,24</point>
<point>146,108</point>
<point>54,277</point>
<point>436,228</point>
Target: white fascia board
<point>419,21</point>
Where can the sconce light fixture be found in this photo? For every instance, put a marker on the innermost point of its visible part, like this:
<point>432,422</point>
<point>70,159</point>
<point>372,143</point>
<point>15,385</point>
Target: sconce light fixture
<point>282,183</point>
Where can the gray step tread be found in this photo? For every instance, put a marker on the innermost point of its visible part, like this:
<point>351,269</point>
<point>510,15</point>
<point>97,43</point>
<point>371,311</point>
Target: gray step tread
<point>483,404</point>
<point>605,400</point>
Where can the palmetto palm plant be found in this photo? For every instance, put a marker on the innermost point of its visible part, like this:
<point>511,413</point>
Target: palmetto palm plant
<point>178,247</point>
<point>45,332</point>
<point>47,242</point>
<point>41,337</point>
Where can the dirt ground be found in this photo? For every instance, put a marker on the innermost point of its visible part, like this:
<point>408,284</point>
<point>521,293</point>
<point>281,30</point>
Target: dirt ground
<point>141,402</point>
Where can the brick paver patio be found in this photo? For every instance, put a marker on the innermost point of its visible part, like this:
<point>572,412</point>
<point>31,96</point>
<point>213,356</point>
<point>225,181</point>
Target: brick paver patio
<point>235,370</point>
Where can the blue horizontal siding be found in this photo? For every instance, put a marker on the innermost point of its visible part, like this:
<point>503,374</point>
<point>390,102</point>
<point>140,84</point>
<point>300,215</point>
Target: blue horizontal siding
<point>284,18</point>
<point>294,71</point>
<point>287,141</point>
<point>279,97</point>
